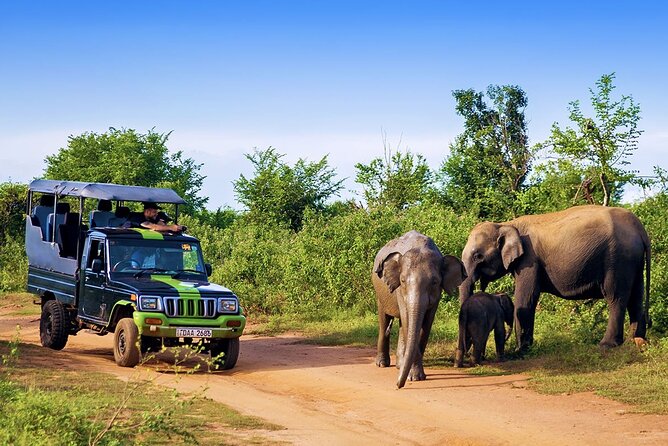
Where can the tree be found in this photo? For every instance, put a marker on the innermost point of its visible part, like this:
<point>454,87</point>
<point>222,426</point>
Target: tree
<point>280,193</point>
<point>397,180</point>
<point>489,162</point>
<point>127,157</point>
<point>601,145</point>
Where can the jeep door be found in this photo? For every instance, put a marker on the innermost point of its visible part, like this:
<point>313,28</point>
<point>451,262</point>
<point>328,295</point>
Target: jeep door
<point>95,292</point>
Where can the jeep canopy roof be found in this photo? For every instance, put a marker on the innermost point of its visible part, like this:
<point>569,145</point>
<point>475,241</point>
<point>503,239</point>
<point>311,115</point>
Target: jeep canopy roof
<point>105,191</point>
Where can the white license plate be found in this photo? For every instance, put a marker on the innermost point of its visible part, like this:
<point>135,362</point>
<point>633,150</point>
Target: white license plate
<point>193,332</point>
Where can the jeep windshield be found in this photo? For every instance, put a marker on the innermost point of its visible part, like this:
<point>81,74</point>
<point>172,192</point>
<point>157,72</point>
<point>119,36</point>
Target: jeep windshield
<point>132,257</point>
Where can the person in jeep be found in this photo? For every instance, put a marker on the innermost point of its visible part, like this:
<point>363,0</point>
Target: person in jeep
<point>150,219</point>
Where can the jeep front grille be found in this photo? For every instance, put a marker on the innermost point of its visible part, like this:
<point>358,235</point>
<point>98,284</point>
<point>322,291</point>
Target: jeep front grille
<point>184,307</point>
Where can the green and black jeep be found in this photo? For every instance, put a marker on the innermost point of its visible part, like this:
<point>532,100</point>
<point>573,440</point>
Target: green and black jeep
<point>149,288</point>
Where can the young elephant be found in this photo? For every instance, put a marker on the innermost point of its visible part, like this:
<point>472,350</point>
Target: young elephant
<point>409,274</point>
<point>478,315</point>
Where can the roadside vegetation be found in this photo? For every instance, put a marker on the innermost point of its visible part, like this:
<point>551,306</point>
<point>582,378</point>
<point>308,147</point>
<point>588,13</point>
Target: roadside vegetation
<point>300,260</point>
<point>46,404</point>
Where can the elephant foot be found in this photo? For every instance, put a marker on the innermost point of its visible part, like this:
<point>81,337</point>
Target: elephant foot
<point>605,346</point>
<point>641,343</point>
<point>417,375</point>
<point>382,361</point>
<point>459,359</point>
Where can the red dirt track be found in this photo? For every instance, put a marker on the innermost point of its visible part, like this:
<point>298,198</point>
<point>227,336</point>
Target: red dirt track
<point>337,396</point>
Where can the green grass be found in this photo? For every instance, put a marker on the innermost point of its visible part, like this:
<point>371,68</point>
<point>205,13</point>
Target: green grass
<point>18,304</point>
<point>40,405</point>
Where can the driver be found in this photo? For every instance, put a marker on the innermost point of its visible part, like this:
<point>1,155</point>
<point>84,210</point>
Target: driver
<point>150,219</point>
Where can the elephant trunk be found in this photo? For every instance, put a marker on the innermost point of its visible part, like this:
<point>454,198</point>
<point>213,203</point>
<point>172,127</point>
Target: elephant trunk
<point>415,318</point>
<point>466,288</point>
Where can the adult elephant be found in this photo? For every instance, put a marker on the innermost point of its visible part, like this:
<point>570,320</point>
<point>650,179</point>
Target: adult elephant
<point>408,276</point>
<point>578,253</point>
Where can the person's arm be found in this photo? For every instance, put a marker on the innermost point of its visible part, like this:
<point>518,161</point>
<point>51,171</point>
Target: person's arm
<point>162,227</point>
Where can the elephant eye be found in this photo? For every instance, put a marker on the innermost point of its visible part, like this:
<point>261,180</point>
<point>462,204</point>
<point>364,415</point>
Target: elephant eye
<point>477,257</point>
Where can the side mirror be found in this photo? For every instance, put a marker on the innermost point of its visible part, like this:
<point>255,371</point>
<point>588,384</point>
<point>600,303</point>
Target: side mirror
<point>207,267</point>
<point>96,266</point>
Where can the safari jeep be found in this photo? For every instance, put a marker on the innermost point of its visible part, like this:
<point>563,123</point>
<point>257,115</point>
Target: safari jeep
<point>148,288</point>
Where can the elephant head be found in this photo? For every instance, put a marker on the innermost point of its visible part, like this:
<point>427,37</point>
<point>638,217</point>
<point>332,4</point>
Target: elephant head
<point>488,255</point>
<point>416,279</point>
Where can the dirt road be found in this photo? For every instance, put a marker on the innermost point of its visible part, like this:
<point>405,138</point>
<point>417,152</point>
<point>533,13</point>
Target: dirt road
<point>336,396</point>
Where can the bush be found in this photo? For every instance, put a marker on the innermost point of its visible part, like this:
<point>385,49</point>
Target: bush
<point>13,265</point>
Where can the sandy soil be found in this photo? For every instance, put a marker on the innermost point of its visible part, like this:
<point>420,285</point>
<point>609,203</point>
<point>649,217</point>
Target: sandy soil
<point>337,396</point>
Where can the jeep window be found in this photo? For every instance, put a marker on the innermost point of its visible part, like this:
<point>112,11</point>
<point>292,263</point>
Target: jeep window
<point>168,257</point>
<point>96,252</point>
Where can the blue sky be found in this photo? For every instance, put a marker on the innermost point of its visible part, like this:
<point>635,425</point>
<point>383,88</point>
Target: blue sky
<point>311,78</point>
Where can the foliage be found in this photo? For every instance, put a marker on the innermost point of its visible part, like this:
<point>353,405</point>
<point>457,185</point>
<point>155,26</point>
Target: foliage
<point>601,145</point>
<point>12,209</point>
<point>280,193</point>
<point>490,160</point>
<point>127,157</point>
<point>397,180</point>
<point>13,264</point>
<point>221,218</point>
<point>652,212</point>
<point>552,186</point>
<point>44,406</point>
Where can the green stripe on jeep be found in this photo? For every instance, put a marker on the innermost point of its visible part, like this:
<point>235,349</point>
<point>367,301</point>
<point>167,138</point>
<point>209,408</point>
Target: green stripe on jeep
<point>149,234</point>
<point>184,289</point>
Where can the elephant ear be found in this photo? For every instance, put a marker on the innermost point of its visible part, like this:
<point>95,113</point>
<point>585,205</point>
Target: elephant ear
<point>453,274</point>
<point>390,271</point>
<point>510,244</point>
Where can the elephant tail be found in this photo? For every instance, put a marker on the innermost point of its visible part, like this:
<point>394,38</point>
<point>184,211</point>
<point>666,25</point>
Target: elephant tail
<point>388,330</point>
<point>648,263</point>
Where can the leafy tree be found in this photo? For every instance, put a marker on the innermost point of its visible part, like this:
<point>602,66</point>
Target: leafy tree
<point>221,218</point>
<point>489,162</point>
<point>601,145</point>
<point>397,180</point>
<point>552,186</point>
<point>127,157</point>
<point>280,193</point>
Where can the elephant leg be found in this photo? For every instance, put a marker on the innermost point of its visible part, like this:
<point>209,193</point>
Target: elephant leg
<point>401,345</point>
<point>383,354</point>
<point>479,345</point>
<point>499,339</point>
<point>616,293</point>
<point>635,308</point>
<point>526,300</point>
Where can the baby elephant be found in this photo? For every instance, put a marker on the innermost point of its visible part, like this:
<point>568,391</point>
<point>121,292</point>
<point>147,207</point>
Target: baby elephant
<point>480,314</point>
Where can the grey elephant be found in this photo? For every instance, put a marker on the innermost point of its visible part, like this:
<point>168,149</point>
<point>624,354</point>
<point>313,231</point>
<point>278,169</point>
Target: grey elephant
<point>408,276</point>
<point>480,314</point>
<point>579,253</point>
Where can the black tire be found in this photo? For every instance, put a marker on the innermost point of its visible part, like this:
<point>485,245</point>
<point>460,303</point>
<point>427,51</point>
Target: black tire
<point>53,325</point>
<point>126,343</point>
<point>150,344</point>
<point>230,353</point>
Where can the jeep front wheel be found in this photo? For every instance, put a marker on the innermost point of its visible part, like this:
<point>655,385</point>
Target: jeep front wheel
<point>53,325</point>
<point>229,348</point>
<point>126,343</point>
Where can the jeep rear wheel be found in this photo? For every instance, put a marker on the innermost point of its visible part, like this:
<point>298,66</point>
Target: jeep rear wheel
<point>53,325</point>
<point>126,343</point>
<point>230,353</point>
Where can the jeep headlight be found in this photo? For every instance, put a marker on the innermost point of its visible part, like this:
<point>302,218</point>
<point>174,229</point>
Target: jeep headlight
<point>227,305</point>
<point>150,303</point>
